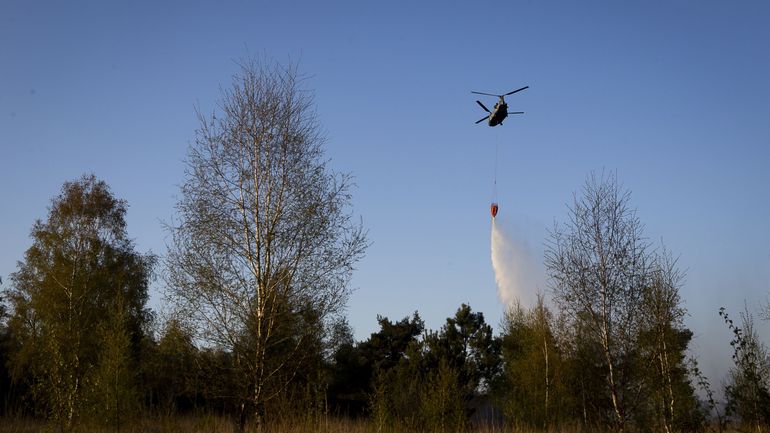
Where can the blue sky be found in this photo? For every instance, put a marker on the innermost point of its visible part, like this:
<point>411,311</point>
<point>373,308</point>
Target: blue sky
<point>674,96</point>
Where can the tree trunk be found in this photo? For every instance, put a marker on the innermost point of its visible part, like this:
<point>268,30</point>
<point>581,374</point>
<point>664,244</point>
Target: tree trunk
<point>242,418</point>
<point>616,405</point>
<point>547,381</point>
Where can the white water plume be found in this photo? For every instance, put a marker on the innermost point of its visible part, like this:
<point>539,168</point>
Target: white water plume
<point>515,271</point>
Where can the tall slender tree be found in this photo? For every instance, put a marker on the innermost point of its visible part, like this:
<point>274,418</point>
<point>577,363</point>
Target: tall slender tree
<point>599,264</point>
<point>664,342</point>
<point>531,391</point>
<point>80,268</point>
<point>265,243</point>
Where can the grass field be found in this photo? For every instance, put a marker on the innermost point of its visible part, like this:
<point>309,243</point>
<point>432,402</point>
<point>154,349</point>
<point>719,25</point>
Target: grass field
<point>219,424</point>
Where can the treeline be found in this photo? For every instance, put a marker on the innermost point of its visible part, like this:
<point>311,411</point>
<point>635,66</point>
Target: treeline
<point>103,363</point>
<point>256,279</point>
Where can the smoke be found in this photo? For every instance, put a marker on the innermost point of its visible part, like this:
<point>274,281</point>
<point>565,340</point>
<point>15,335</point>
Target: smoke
<point>515,270</point>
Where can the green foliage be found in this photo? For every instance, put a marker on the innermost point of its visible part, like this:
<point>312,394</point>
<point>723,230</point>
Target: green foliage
<point>80,266</point>
<point>711,407</point>
<point>467,344</point>
<point>112,394</point>
<point>434,381</point>
<point>396,396</point>
<point>385,348</point>
<point>531,391</point>
<point>666,400</point>
<point>359,369</point>
<point>301,387</point>
<point>170,371</point>
<point>441,405</point>
<point>748,388</point>
<point>9,396</point>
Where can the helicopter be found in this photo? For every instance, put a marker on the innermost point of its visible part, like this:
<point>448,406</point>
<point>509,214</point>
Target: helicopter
<point>500,112</point>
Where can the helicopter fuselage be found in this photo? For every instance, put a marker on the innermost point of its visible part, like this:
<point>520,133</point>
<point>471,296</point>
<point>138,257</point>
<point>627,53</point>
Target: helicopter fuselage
<point>499,113</point>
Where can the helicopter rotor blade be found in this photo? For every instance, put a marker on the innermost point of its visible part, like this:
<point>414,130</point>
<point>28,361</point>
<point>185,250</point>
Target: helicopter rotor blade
<point>488,94</point>
<point>516,112</point>
<point>482,119</point>
<point>517,90</point>
<point>482,106</point>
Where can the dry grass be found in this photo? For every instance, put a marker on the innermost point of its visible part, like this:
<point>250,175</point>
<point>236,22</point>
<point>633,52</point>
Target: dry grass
<point>212,424</point>
<point>219,424</point>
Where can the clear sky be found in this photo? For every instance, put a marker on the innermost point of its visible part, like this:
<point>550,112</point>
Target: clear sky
<point>672,95</point>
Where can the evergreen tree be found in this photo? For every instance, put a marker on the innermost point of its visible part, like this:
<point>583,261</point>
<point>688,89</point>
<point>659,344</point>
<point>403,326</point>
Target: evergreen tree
<point>360,368</point>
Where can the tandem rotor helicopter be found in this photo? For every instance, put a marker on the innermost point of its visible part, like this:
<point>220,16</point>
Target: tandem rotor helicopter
<point>500,111</point>
<point>494,118</point>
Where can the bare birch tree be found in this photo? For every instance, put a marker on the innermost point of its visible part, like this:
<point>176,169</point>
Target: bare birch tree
<point>667,337</point>
<point>265,244</point>
<point>598,264</point>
